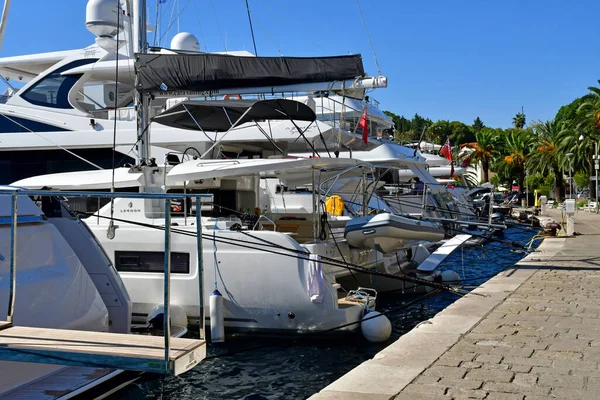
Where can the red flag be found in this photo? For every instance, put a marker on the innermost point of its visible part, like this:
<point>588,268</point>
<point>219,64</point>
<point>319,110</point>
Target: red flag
<point>446,151</point>
<point>362,123</point>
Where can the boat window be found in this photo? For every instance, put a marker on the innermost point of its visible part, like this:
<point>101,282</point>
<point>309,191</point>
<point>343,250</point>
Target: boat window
<point>151,261</point>
<point>53,90</point>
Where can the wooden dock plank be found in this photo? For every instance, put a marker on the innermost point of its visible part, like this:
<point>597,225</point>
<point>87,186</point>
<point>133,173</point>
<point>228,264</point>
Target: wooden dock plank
<point>69,347</point>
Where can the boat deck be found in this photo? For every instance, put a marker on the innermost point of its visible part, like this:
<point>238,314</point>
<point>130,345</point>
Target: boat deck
<point>99,349</point>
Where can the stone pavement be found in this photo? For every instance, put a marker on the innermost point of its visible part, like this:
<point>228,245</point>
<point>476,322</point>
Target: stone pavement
<point>532,332</point>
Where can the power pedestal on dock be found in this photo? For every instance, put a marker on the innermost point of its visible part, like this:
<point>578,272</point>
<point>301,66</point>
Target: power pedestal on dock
<point>570,207</point>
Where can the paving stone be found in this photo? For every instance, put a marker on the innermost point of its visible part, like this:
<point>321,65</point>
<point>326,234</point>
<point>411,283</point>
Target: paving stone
<point>575,365</point>
<point>502,367</point>
<point>446,372</point>
<point>564,381</point>
<point>569,345</point>
<point>525,379</point>
<point>504,396</point>
<point>426,380</point>
<point>425,389</point>
<point>513,388</point>
<point>550,371</point>
<point>520,368</point>
<point>558,355</point>
<point>460,393</point>
<point>489,358</point>
<point>490,375</point>
<point>562,393</point>
<point>534,362</point>
<point>471,365</point>
<point>449,362</point>
<point>470,384</point>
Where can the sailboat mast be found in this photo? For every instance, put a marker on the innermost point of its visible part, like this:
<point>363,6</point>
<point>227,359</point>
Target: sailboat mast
<point>3,20</point>
<point>140,45</point>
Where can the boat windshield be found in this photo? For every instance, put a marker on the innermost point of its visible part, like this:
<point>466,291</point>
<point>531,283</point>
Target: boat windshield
<point>53,89</point>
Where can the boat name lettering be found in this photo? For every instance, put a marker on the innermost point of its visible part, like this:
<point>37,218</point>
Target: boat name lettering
<point>128,210</point>
<point>89,53</point>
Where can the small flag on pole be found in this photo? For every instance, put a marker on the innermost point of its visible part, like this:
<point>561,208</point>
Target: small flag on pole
<point>362,123</point>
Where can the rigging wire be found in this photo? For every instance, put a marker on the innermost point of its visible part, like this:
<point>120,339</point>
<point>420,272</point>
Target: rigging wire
<point>171,22</point>
<point>368,37</point>
<point>290,252</point>
<point>116,108</point>
<point>218,25</point>
<point>53,143</point>
<point>251,28</point>
<point>296,21</point>
<point>277,47</point>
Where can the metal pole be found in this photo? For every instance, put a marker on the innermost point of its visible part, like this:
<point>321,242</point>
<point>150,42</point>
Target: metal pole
<point>526,188</point>
<point>200,266</point>
<point>364,184</point>
<point>570,184</point>
<point>596,167</point>
<point>13,259</point>
<point>167,282</point>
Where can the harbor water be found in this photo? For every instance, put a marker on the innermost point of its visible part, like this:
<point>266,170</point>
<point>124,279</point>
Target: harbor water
<point>249,367</point>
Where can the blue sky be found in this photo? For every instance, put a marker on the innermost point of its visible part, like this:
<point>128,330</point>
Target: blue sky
<point>444,59</point>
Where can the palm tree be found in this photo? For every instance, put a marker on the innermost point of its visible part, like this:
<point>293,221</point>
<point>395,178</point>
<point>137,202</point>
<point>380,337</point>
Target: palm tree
<point>585,132</point>
<point>483,149</point>
<point>518,144</point>
<point>519,120</point>
<point>547,155</point>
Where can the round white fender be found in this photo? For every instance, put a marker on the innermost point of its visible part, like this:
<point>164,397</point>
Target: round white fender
<point>450,276</point>
<point>217,328</point>
<point>377,329</point>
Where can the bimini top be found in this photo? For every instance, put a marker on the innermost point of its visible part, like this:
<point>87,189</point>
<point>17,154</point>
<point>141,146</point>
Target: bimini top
<point>221,115</point>
<point>210,72</point>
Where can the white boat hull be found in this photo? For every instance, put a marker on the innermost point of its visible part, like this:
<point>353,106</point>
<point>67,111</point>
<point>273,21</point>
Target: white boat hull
<point>389,233</point>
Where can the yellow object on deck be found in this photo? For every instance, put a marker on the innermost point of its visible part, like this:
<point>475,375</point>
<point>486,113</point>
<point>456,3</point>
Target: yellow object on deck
<point>334,205</point>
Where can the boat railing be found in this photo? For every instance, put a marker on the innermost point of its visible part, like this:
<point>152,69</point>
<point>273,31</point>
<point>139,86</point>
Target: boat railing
<point>172,362</point>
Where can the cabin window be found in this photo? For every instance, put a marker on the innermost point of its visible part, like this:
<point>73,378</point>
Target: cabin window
<point>53,90</point>
<point>151,261</point>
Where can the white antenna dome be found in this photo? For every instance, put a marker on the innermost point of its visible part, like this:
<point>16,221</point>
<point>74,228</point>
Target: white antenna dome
<point>101,17</point>
<point>185,41</point>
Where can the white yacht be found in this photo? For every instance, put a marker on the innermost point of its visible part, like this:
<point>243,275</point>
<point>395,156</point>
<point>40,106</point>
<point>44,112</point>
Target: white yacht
<point>64,280</point>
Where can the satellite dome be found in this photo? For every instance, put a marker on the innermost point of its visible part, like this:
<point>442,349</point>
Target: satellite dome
<point>185,41</point>
<point>102,17</point>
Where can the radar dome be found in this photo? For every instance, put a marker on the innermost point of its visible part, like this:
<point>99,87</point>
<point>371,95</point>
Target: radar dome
<point>185,41</point>
<point>101,17</point>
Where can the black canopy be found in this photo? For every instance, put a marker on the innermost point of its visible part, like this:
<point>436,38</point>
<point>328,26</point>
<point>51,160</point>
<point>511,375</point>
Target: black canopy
<point>220,115</point>
<point>210,72</point>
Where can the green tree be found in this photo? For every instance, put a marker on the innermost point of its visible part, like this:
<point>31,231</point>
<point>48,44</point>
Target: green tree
<point>546,155</point>
<point>461,133</point>
<point>483,149</point>
<point>518,144</point>
<point>567,114</point>
<point>519,121</point>
<point>477,125</point>
<point>439,131</point>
